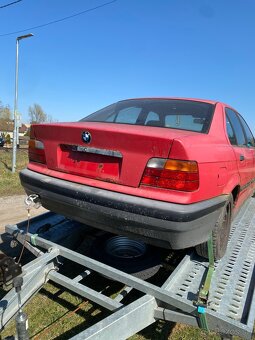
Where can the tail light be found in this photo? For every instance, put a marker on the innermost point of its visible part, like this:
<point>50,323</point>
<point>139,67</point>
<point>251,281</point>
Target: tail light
<point>171,174</point>
<point>36,151</point>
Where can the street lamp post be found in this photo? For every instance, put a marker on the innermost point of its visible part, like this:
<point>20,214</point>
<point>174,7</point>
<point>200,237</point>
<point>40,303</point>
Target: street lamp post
<point>16,128</point>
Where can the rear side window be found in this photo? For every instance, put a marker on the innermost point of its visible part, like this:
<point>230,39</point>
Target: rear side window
<point>249,135</point>
<point>168,113</point>
<point>236,126</point>
<point>230,131</point>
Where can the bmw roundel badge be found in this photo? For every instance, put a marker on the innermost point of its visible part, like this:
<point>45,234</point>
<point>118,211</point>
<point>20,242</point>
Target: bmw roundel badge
<point>86,137</point>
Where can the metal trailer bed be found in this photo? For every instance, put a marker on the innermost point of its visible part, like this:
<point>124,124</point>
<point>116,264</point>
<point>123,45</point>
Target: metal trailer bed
<point>231,305</point>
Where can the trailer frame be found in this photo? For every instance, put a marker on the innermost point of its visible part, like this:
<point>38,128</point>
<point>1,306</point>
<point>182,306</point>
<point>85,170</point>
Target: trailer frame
<point>231,304</point>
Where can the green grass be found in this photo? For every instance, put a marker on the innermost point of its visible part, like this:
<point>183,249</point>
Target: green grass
<point>9,182</point>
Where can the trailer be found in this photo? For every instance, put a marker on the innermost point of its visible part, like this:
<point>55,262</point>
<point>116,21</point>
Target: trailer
<point>219,298</point>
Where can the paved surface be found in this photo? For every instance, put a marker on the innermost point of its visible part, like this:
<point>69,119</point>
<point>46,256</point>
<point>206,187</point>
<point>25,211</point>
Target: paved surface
<point>13,210</point>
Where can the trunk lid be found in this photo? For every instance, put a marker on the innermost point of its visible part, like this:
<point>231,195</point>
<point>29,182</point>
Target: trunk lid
<point>116,153</point>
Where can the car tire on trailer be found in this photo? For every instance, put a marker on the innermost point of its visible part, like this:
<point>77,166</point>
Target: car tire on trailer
<point>220,233</point>
<point>131,256</point>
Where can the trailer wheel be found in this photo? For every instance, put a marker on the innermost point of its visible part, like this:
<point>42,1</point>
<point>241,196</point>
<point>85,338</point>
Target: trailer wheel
<point>131,256</point>
<point>220,233</point>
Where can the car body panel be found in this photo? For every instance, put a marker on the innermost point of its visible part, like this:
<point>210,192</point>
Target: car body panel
<point>136,147</point>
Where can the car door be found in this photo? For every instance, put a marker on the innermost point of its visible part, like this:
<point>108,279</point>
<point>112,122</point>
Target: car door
<point>251,147</point>
<point>243,151</point>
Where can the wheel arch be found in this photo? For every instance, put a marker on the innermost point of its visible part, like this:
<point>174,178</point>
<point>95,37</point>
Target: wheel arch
<point>233,187</point>
<point>235,193</point>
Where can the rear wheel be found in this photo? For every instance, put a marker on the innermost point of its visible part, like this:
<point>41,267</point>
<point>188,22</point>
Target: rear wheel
<point>220,233</point>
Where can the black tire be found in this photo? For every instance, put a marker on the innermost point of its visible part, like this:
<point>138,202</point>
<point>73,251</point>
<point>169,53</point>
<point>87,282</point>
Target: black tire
<point>143,267</point>
<point>220,233</point>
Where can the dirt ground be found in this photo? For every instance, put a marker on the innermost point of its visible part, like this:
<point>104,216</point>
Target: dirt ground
<point>13,210</point>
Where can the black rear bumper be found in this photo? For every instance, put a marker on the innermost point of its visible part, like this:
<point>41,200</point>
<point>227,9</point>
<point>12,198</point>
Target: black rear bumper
<point>160,223</point>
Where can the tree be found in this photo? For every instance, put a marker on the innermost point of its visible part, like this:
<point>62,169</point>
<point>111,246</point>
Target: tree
<point>5,118</point>
<point>5,112</point>
<point>37,114</point>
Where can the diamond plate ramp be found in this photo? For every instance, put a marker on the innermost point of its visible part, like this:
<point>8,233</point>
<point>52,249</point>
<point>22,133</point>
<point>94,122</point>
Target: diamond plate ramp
<point>231,305</point>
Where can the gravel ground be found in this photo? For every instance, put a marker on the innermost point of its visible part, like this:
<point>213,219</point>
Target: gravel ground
<point>13,210</point>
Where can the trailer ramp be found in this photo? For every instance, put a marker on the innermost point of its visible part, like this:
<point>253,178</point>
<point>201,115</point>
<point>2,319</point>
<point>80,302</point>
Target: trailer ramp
<point>231,307</point>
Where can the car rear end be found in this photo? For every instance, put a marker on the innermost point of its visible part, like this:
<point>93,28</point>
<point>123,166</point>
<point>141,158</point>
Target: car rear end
<point>130,169</point>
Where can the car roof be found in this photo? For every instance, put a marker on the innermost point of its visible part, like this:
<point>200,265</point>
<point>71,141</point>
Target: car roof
<point>175,98</point>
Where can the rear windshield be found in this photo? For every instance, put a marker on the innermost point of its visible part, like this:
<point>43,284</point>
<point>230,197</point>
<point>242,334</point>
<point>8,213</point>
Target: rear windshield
<point>168,113</point>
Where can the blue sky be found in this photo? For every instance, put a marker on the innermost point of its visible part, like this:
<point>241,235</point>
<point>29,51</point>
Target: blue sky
<point>130,48</point>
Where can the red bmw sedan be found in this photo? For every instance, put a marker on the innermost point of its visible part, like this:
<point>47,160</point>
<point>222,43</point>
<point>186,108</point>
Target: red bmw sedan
<point>167,171</point>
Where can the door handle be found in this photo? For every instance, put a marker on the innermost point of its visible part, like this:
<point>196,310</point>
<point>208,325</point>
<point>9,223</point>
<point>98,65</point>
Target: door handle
<point>242,158</point>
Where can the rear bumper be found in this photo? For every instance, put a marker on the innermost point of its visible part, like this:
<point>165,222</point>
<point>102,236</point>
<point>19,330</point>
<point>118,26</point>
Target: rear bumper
<point>160,223</point>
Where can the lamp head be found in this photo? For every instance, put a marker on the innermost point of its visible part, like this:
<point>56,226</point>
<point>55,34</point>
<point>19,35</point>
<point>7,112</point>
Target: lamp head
<point>25,36</point>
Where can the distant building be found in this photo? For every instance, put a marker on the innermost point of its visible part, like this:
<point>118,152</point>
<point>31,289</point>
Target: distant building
<point>23,129</point>
<point>6,128</point>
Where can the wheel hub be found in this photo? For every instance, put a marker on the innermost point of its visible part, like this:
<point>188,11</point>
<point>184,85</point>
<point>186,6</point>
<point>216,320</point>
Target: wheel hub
<point>123,247</point>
